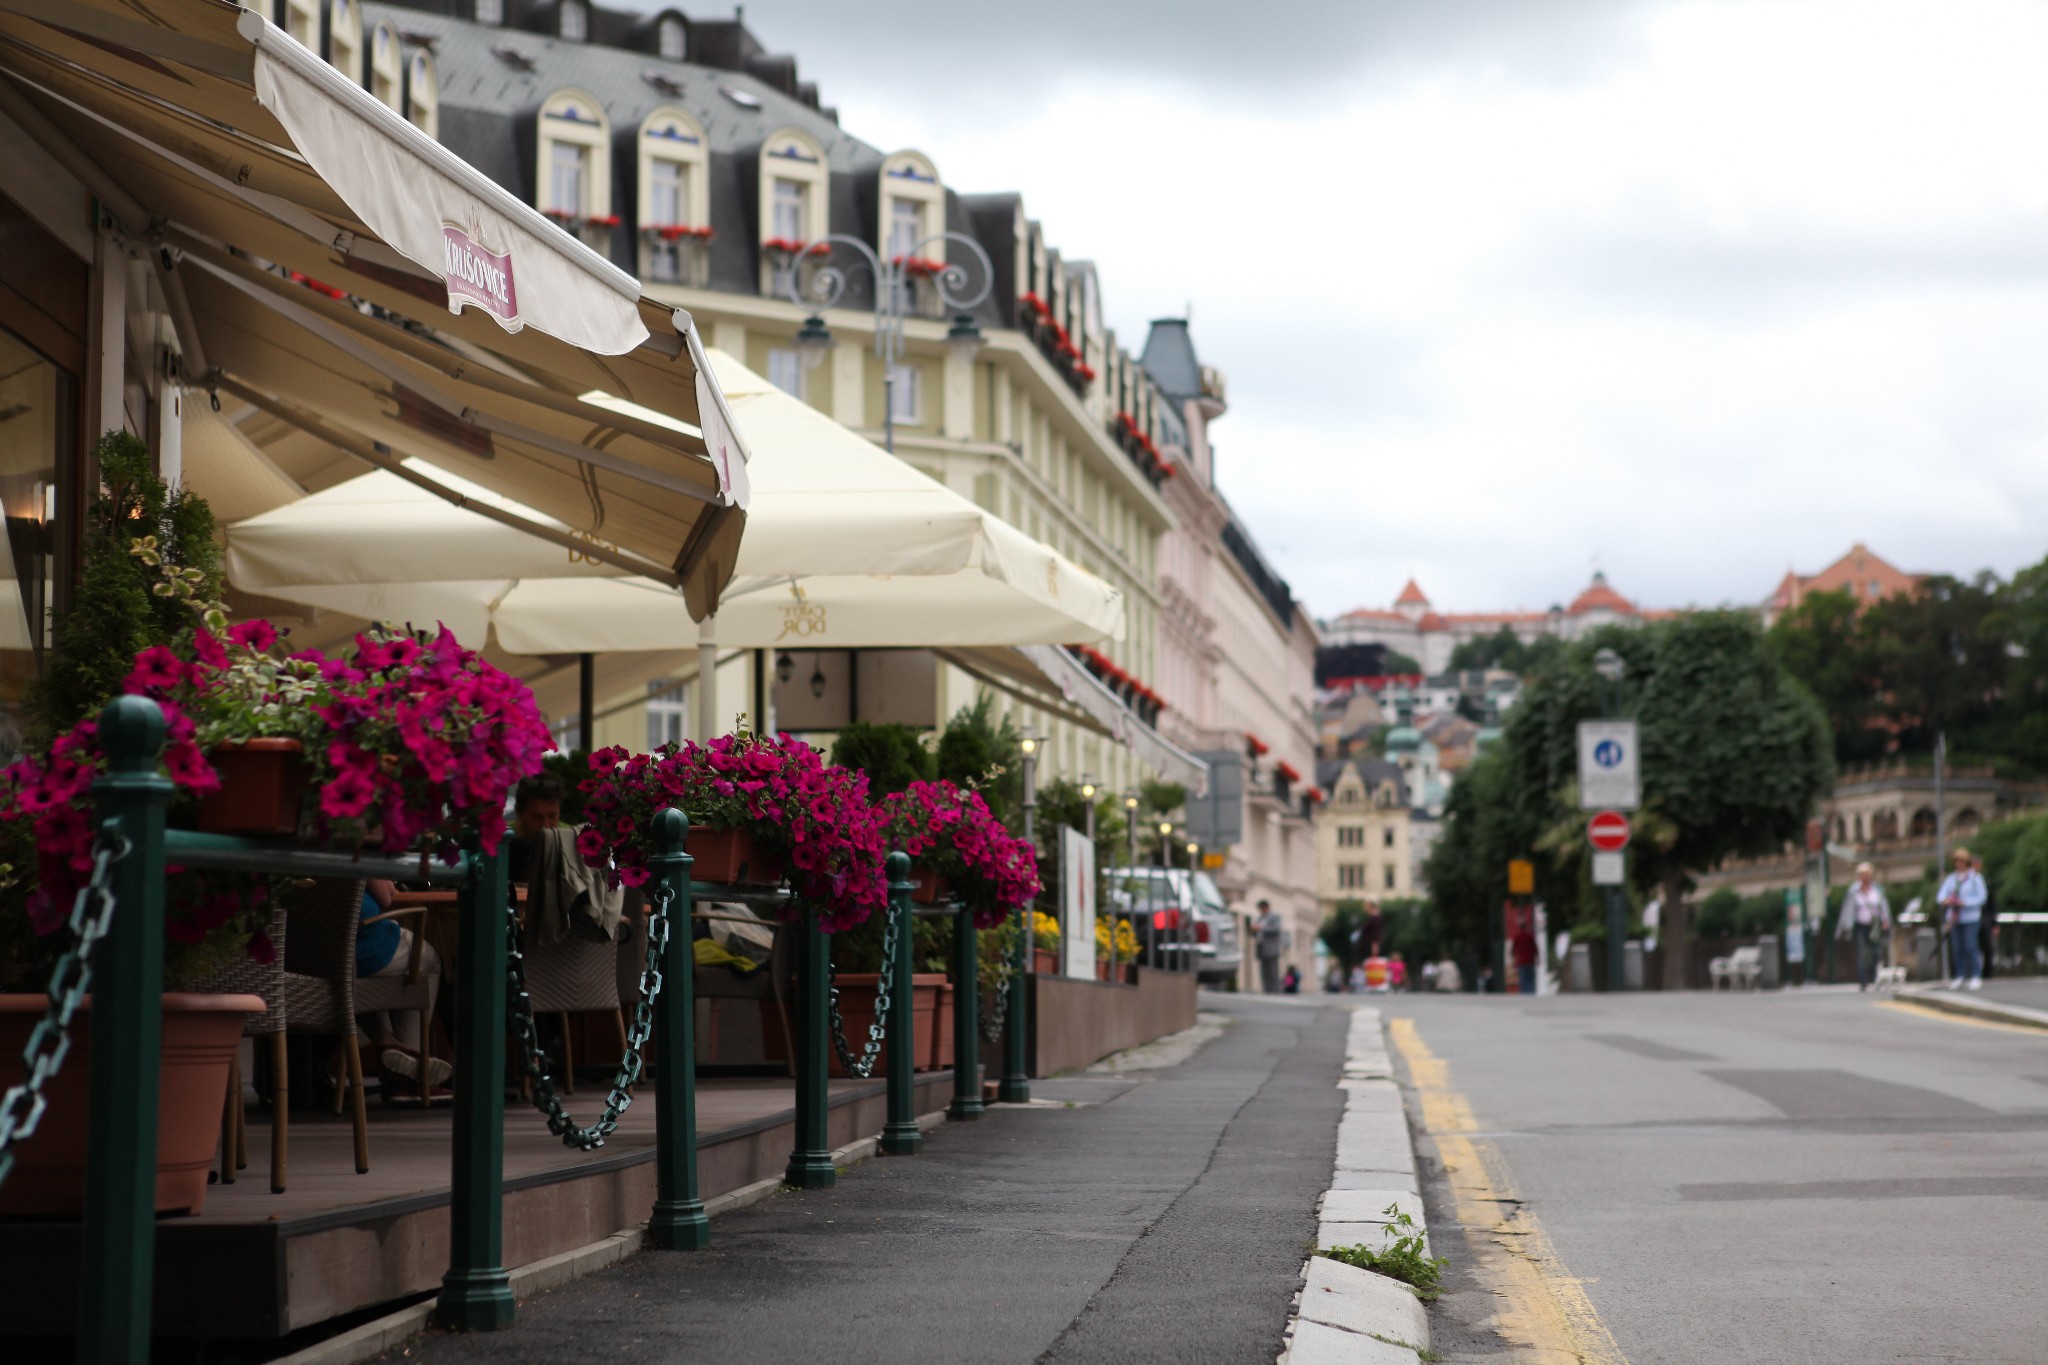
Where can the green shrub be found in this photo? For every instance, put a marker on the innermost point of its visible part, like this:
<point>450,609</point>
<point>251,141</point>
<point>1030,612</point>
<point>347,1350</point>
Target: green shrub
<point>893,756</point>
<point>1403,1258</point>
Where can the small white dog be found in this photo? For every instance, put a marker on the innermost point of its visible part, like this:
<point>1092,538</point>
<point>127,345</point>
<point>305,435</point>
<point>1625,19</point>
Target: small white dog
<point>1890,978</point>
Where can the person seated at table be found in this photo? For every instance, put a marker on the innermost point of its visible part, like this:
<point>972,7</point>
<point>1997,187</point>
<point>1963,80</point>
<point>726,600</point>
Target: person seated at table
<point>536,809</point>
<point>385,949</point>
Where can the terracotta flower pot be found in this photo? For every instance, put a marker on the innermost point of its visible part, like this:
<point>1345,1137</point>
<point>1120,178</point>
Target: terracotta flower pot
<point>201,1033</point>
<point>731,857</point>
<point>929,888</point>
<point>942,1031</point>
<point>1045,961</point>
<point>262,788</point>
<point>857,1010</point>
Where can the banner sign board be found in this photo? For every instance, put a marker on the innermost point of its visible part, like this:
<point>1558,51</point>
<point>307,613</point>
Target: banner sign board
<point>475,274</point>
<point>1609,777</point>
<point>1077,904</point>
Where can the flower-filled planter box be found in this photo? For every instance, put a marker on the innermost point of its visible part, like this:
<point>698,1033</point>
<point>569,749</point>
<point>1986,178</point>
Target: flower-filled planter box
<point>928,887</point>
<point>262,789</point>
<point>731,857</point>
<point>200,1035</point>
<point>857,1011</point>
<point>1045,961</point>
<point>956,843</point>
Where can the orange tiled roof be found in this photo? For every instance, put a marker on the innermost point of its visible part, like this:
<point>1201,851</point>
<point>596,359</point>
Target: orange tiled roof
<point>1411,596</point>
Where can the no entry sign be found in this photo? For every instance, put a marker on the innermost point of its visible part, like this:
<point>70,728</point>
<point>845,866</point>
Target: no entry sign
<point>1609,831</point>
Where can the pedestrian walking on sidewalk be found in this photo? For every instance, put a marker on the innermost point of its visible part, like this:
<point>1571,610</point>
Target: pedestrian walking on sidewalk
<point>1272,940</point>
<point>1524,945</point>
<point>1866,914</point>
<point>1962,897</point>
<point>1987,937</point>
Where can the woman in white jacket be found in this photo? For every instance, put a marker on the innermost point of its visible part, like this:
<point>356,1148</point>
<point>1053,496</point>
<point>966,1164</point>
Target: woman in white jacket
<point>1866,914</point>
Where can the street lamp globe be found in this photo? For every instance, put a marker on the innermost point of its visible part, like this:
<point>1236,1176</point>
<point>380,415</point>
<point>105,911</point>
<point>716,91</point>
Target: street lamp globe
<point>814,341</point>
<point>964,339</point>
<point>1130,801</point>
<point>1609,665</point>
<point>1028,745</point>
<point>1088,787</point>
<point>1165,828</point>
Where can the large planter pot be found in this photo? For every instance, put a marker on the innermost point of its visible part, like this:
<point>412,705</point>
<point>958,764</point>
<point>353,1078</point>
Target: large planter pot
<point>1045,961</point>
<point>262,788</point>
<point>730,857</point>
<point>942,1029</point>
<point>929,888</point>
<point>857,1011</point>
<point>200,1035</point>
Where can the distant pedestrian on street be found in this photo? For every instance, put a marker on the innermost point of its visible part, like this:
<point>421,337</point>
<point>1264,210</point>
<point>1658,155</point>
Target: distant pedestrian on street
<point>1373,931</point>
<point>1523,945</point>
<point>1291,983</point>
<point>1962,897</point>
<point>1272,940</point>
<point>1866,914</point>
<point>1448,977</point>
<point>1987,938</point>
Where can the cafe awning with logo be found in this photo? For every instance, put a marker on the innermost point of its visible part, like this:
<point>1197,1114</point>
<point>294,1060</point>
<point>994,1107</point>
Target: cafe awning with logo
<point>332,267</point>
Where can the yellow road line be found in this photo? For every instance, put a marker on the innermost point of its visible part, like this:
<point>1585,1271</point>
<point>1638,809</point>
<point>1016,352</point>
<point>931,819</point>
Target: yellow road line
<point>1543,1311</point>
<point>1914,1007</point>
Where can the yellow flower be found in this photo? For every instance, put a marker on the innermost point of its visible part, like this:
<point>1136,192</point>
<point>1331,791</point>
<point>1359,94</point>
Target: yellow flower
<point>1126,940</point>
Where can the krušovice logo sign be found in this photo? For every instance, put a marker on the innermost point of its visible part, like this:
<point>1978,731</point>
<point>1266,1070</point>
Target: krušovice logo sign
<point>478,275</point>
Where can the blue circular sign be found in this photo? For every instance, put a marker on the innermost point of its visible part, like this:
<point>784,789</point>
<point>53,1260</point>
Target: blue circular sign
<point>1607,753</point>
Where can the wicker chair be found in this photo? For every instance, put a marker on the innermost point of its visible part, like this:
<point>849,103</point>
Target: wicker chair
<point>572,975</point>
<point>264,979</point>
<point>323,994</point>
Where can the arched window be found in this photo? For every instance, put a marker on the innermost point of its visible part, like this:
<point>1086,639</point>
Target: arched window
<point>670,38</point>
<point>793,181</point>
<point>573,170</point>
<point>572,22</point>
<point>912,204</point>
<point>301,19</point>
<point>387,68</point>
<point>345,38</point>
<point>423,93</point>
<point>674,198</point>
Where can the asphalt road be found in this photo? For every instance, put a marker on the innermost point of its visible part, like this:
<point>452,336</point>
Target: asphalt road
<point>1166,1222</point>
<point>1794,1176</point>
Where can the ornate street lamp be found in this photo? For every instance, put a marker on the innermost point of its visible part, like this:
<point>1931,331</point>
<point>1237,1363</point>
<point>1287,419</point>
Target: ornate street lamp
<point>826,285</point>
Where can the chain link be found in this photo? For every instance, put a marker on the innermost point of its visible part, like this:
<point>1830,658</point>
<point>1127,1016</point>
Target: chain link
<point>92,914</point>
<point>863,1066</point>
<point>520,1006</point>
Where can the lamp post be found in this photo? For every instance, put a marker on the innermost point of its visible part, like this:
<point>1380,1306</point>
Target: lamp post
<point>1610,667</point>
<point>827,285</point>
<point>1130,872</point>
<point>1015,1086</point>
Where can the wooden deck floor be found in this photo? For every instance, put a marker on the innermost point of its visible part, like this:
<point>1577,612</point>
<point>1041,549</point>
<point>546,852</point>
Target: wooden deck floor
<point>257,1264</point>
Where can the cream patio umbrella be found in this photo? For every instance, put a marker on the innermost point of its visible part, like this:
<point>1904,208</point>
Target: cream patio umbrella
<point>846,547</point>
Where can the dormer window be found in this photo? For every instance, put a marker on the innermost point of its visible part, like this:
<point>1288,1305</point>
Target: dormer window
<point>345,39</point>
<point>490,12</point>
<point>423,94</point>
<point>387,71</point>
<point>301,19</point>
<point>572,22</point>
<point>669,38</point>
<point>674,203</point>
<point>573,167</point>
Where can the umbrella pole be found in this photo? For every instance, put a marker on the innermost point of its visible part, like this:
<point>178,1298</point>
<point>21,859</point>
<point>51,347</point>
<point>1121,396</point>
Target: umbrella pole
<point>707,679</point>
<point>760,716</point>
<point>586,701</point>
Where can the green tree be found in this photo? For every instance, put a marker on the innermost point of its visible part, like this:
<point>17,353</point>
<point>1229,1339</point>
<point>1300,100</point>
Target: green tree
<point>1735,752</point>
<point>122,604</point>
<point>981,752</point>
<point>893,756</point>
<point>1822,642</point>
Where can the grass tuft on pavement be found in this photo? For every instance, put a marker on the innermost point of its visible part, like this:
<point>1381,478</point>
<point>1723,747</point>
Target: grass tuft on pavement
<point>1401,1259</point>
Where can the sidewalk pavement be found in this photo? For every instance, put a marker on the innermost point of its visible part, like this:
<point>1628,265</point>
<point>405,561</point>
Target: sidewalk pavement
<point>1161,1219</point>
<point>1348,1316</point>
<point>2021,1000</point>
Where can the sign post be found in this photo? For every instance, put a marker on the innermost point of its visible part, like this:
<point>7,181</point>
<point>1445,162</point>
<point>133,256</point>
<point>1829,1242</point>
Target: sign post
<point>1610,782</point>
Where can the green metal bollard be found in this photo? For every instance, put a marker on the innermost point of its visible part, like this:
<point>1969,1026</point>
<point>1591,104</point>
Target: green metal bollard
<point>476,1293</point>
<point>117,1272</point>
<point>1015,1086</point>
<point>678,1222</point>
<point>967,1103</point>
<point>810,1162</point>
<point>901,1135</point>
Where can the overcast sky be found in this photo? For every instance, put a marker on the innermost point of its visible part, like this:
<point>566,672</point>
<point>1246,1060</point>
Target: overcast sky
<point>1691,290</point>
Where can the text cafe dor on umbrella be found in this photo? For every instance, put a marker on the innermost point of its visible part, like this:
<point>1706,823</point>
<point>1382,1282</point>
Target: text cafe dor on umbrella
<point>196,208</point>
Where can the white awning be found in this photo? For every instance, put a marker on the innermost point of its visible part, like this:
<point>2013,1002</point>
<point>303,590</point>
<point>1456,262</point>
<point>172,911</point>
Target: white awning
<point>261,184</point>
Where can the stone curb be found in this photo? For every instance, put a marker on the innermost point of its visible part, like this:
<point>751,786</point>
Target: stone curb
<point>1974,1007</point>
<point>1344,1314</point>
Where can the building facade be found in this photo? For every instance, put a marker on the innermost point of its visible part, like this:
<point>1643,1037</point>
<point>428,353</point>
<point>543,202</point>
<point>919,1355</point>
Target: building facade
<point>1862,573</point>
<point>1363,836</point>
<point>699,161</point>
<point>1415,628</point>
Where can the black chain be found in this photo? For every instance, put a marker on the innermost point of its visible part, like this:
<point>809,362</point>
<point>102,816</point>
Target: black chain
<point>92,914</point>
<point>864,1065</point>
<point>521,1009</point>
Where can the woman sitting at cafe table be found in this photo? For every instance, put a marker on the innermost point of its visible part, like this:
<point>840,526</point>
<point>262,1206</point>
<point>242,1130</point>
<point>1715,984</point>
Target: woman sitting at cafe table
<point>385,949</point>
